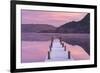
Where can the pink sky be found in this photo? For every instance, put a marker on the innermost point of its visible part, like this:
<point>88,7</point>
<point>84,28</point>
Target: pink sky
<point>49,17</point>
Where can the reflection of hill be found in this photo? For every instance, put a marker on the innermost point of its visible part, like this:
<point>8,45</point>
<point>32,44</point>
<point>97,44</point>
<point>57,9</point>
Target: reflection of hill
<point>37,28</point>
<point>82,26</point>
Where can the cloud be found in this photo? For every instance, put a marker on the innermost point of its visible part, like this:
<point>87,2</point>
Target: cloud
<point>50,17</point>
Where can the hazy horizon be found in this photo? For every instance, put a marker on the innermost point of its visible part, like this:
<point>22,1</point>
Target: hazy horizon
<point>50,17</point>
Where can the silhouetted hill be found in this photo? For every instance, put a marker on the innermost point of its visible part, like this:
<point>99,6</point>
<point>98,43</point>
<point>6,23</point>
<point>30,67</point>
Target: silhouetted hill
<point>82,26</point>
<point>37,28</point>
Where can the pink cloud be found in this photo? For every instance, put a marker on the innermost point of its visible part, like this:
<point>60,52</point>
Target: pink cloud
<point>51,18</point>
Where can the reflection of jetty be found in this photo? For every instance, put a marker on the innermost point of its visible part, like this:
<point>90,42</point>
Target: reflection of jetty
<point>58,51</point>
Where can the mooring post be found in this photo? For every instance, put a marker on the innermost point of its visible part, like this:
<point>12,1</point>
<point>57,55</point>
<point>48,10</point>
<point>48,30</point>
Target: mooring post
<point>69,55</point>
<point>48,55</point>
<point>51,43</point>
<point>50,48</point>
<point>62,44</point>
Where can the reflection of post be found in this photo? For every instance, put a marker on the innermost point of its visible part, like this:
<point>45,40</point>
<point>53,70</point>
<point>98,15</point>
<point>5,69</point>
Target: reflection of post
<point>48,55</point>
<point>69,54</point>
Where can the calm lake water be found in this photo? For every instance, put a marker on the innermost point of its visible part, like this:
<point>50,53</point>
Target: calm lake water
<point>35,46</point>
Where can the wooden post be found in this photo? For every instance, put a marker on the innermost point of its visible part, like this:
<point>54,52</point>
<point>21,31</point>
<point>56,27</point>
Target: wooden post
<point>50,48</point>
<point>69,55</point>
<point>48,55</point>
<point>51,43</point>
<point>62,44</point>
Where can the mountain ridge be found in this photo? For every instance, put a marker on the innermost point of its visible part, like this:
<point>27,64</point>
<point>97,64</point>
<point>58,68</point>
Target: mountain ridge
<point>36,27</point>
<point>82,26</point>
